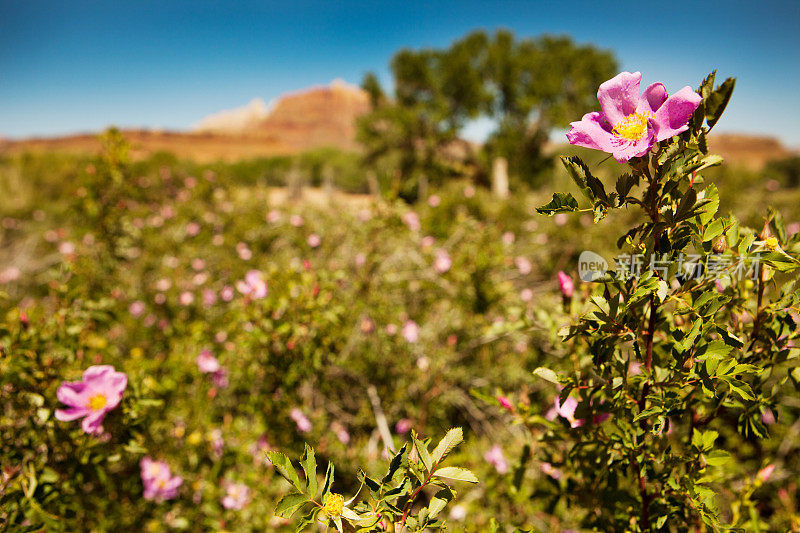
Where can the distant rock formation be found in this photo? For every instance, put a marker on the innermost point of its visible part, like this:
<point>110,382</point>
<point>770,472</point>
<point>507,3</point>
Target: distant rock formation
<point>311,118</point>
<point>234,121</point>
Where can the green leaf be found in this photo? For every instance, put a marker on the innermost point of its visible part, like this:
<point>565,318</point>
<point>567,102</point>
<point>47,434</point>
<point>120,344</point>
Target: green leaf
<point>562,202</point>
<point>395,464</point>
<point>456,473</point>
<point>547,375</point>
<point>289,504</point>
<point>717,457</point>
<point>423,454</point>
<point>326,487</point>
<point>439,502</point>
<point>453,438</point>
<point>718,100</point>
<point>309,464</point>
<point>284,467</point>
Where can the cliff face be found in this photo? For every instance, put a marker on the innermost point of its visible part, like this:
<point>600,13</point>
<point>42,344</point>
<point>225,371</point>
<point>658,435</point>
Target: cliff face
<point>320,116</point>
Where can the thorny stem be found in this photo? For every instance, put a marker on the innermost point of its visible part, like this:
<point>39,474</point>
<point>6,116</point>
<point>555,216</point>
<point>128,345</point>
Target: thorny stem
<point>407,506</point>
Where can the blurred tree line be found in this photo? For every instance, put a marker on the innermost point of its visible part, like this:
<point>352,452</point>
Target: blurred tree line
<point>525,87</point>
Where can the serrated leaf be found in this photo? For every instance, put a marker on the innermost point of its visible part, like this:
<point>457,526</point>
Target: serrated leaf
<point>309,464</point>
<point>439,502</point>
<point>289,504</point>
<point>284,467</point>
<point>456,473</point>
<point>562,202</point>
<point>453,438</point>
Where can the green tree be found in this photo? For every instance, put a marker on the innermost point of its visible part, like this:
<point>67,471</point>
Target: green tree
<point>526,87</point>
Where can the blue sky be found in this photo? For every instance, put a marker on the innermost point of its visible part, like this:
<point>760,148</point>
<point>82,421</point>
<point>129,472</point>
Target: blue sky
<point>81,65</point>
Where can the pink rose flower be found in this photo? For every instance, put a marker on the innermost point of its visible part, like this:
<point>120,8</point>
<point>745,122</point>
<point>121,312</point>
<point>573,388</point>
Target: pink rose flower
<point>411,219</point>
<point>551,471</point>
<point>206,362</point>
<point>253,285</point>
<point>237,495</point>
<point>495,457</point>
<point>403,426</point>
<point>411,331</point>
<point>505,403</point>
<point>630,124</point>
<point>136,308</point>
<point>523,265</point>
<point>314,240</point>
<point>99,391</point>
<point>566,285</point>
<point>442,262</point>
<point>303,423</point>
<point>159,483</point>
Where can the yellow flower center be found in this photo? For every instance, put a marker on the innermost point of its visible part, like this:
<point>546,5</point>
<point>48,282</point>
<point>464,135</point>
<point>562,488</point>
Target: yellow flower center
<point>97,402</point>
<point>771,243</point>
<point>633,127</point>
<point>333,505</point>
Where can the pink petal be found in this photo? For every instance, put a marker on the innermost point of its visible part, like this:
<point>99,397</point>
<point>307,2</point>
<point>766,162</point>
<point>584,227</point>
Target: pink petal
<point>590,133</point>
<point>625,149</point>
<point>619,96</point>
<point>72,393</point>
<point>73,413</point>
<point>97,372</point>
<point>652,99</point>
<point>673,116</point>
<point>93,422</point>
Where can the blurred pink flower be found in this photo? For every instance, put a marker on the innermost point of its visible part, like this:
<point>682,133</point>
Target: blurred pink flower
<point>186,298</point>
<point>361,259</point>
<point>163,284</point>
<point>296,221</point>
<point>411,219</point>
<point>226,293</point>
<point>341,432</point>
<point>198,264</point>
<point>526,295</point>
<point>434,200</point>
<point>551,471</point>
<point>765,473</point>
<point>367,325</point>
<point>403,426</point>
<point>206,362</point>
<point>411,331</point>
<point>244,252</point>
<point>258,450</point>
<point>505,403</point>
<point>237,495</point>
<point>442,262</point>
<point>566,285</point>
<point>314,240</point>
<point>792,228</point>
<point>391,329</point>
<point>303,423</point>
<point>508,238</point>
<point>9,274</point>
<point>469,191</point>
<point>427,241</point>
<point>253,285</point>
<point>136,308</point>
<point>66,248</point>
<point>159,483</point>
<point>209,297</point>
<point>98,392</point>
<point>192,228</point>
<point>220,378</point>
<point>273,216</point>
<point>523,265</point>
<point>561,219</point>
<point>768,417</point>
<point>495,457</point>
